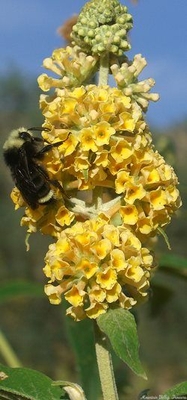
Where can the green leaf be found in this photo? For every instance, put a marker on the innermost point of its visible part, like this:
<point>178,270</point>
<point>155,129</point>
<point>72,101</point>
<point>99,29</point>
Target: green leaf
<point>80,335</point>
<point>173,261</point>
<point>120,327</point>
<point>178,390</point>
<point>13,289</point>
<point>24,383</point>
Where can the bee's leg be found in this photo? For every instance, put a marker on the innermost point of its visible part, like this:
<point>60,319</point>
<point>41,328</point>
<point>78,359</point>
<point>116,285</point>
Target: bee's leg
<point>66,198</point>
<point>47,148</point>
<point>56,184</point>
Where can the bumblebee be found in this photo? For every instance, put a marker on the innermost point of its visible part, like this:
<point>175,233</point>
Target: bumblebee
<point>22,154</point>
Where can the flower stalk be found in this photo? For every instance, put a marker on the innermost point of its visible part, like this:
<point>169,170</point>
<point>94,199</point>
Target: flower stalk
<point>8,353</point>
<point>105,366</point>
<point>103,70</point>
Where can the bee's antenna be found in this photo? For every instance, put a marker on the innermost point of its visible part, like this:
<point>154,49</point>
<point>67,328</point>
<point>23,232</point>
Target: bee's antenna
<point>39,128</point>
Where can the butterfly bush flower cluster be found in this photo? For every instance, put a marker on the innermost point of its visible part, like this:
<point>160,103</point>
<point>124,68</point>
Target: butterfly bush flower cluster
<point>120,193</point>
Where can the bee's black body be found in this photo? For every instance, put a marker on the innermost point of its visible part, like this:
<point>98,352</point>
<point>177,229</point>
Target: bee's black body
<point>22,152</point>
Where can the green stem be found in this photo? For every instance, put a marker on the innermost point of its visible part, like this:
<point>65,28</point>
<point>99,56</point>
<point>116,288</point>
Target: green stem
<point>105,366</point>
<point>104,70</point>
<point>97,197</point>
<point>8,353</point>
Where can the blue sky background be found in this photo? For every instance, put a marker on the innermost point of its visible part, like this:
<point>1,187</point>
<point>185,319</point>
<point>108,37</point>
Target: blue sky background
<point>28,34</point>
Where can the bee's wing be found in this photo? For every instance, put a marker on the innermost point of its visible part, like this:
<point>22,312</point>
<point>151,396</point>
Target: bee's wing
<point>29,178</point>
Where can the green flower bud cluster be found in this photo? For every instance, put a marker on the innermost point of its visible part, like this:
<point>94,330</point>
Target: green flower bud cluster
<point>102,27</point>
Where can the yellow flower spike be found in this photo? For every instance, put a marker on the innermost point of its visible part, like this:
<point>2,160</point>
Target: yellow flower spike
<point>117,191</point>
<point>91,267</point>
<point>100,96</point>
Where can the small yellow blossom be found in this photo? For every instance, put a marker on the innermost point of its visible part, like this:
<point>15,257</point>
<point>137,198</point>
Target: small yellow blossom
<point>103,132</point>
<point>64,217</point>
<point>87,138</point>
<point>17,198</point>
<point>129,214</point>
<point>118,260</point>
<point>96,294</point>
<point>121,151</point>
<point>106,278</point>
<point>95,310</point>
<point>87,268</point>
<point>102,248</point>
<point>75,296</point>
